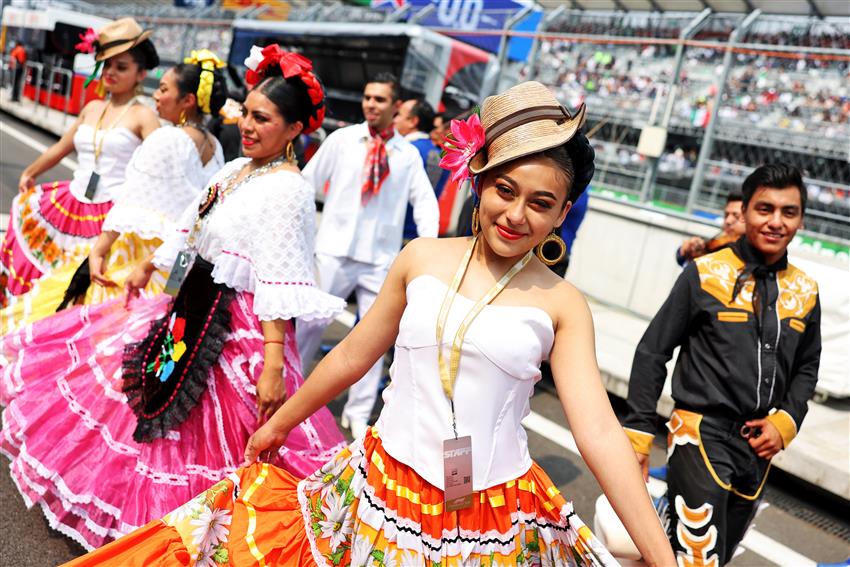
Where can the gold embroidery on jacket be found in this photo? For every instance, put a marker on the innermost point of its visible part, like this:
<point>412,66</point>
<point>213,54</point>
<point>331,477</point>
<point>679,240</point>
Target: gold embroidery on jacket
<point>718,272</point>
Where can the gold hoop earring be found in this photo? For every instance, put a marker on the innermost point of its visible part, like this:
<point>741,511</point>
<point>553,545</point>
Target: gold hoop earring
<point>182,119</point>
<point>476,222</point>
<point>538,250</point>
<point>290,153</point>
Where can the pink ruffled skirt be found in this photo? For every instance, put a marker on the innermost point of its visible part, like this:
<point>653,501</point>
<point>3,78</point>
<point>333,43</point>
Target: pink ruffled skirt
<point>47,223</point>
<point>69,432</point>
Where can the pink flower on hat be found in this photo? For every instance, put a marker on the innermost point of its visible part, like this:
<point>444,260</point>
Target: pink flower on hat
<point>466,139</point>
<point>87,45</point>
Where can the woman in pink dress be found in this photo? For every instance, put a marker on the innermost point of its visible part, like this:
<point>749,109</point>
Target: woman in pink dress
<point>156,399</point>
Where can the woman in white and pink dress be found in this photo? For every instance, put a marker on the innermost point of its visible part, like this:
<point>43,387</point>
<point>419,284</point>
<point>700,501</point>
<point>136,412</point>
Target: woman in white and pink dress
<point>156,397</point>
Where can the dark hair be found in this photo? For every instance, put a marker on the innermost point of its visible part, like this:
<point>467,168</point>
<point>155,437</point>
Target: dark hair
<point>388,79</point>
<point>144,55</point>
<point>289,96</point>
<point>774,176</point>
<point>575,160</point>
<point>188,78</point>
<point>562,160</point>
<point>425,113</point>
<point>734,196</point>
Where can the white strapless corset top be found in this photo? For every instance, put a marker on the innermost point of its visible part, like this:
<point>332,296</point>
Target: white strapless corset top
<point>499,366</point>
<point>118,146</point>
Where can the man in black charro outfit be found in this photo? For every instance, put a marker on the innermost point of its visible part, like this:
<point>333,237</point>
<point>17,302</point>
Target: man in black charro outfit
<point>748,324</point>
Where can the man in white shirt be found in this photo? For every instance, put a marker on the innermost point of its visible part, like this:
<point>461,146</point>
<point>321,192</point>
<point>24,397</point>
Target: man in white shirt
<point>371,174</point>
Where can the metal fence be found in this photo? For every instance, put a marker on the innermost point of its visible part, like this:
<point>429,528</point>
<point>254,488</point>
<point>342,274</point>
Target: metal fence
<point>732,91</point>
<point>728,99</point>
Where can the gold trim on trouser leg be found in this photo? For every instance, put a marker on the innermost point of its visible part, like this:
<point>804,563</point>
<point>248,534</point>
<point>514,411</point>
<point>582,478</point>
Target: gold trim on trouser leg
<point>684,428</point>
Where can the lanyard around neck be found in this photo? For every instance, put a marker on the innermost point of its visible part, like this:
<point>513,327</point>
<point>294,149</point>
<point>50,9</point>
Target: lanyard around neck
<point>448,372</point>
<point>98,147</point>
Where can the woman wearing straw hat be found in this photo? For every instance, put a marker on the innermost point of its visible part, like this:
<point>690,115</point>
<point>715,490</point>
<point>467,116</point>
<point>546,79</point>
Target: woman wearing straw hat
<point>51,220</point>
<point>165,174</point>
<point>155,397</point>
<point>445,476</point>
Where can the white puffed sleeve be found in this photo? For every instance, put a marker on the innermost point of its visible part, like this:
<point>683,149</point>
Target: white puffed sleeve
<point>175,239</point>
<point>164,175</point>
<point>268,249</point>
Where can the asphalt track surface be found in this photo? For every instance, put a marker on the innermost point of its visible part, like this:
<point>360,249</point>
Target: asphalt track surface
<point>798,528</point>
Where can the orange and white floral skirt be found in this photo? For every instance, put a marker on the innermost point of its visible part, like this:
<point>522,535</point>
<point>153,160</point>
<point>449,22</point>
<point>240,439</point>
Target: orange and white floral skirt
<point>47,226</point>
<point>363,508</point>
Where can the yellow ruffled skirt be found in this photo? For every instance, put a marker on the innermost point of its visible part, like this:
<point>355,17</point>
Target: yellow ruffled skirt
<point>47,292</point>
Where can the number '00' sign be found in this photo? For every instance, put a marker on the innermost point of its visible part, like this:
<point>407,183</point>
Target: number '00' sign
<point>461,14</point>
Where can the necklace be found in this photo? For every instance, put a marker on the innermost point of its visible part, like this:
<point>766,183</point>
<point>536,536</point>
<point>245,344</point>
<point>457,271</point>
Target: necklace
<point>218,192</point>
<point>206,135</point>
<point>98,147</point>
<point>192,124</point>
<point>229,184</point>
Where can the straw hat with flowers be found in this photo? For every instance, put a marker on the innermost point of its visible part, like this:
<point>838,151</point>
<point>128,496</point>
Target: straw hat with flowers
<point>117,37</point>
<point>523,120</point>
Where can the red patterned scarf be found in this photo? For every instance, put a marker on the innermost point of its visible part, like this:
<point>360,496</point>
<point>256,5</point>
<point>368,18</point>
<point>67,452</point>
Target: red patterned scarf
<point>377,166</point>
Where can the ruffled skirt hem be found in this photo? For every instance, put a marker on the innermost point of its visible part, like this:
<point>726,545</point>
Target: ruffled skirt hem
<point>361,508</point>
<point>46,226</point>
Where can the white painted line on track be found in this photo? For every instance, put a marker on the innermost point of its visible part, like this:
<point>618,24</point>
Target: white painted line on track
<point>755,541</point>
<point>774,551</point>
<point>37,146</point>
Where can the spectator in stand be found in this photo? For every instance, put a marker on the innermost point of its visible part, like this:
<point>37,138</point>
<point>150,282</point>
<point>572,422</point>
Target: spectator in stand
<point>414,121</point>
<point>18,58</point>
<point>733,229</point>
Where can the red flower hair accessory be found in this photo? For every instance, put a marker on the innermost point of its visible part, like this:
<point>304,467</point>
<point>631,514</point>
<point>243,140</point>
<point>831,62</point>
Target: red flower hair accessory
<point>291,64</point>
<point>465,140</point>
<point>88,43</point>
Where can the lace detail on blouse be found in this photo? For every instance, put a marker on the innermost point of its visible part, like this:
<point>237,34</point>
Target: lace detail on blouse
<point>260,240</point>
<point>164,176</point>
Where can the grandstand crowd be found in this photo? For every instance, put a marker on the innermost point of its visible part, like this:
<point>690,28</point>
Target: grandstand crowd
<point>756,93</point>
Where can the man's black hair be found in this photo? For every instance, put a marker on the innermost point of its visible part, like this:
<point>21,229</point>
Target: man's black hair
<point>422,110</point>
<point>388,79</point>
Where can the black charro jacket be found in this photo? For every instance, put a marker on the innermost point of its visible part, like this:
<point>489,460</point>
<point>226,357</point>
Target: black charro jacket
<point>735,362</point>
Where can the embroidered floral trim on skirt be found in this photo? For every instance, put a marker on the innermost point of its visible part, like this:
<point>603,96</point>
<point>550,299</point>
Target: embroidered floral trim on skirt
<point>48,292</point>
<point>46,226</point>
<point>97,483</point>
<point>363,508</point>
